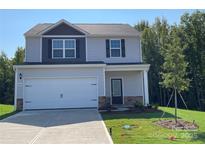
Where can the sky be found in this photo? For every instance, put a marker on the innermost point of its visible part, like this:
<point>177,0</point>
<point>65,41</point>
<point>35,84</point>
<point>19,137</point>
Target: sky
<point>14,23</point>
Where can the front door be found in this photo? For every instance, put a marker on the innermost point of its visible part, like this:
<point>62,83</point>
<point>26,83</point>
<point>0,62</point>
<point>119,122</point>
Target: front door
<point>116,90</point>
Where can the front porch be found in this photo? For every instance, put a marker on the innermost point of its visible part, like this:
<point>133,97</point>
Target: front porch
<point>125,85</point>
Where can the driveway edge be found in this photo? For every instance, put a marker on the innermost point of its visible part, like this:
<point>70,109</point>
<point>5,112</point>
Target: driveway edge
<point>106,131</point>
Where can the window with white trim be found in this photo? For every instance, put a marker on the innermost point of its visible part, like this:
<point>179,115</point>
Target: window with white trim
<point>63,48</point>
<point>57,48</point>
<point>70,48</point>
<point>115,48</point>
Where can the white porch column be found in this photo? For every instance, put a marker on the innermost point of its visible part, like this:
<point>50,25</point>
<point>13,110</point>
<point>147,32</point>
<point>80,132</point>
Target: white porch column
<point>146,92</point>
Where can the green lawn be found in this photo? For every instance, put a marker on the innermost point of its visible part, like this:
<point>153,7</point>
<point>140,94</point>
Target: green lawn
<point>6,110</point>
<point>145,132</point>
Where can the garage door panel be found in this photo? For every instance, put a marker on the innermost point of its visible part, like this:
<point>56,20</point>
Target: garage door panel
<point>60,93</point>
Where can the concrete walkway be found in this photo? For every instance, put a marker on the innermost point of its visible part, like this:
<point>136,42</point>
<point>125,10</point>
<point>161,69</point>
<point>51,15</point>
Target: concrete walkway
<point>75,126</point>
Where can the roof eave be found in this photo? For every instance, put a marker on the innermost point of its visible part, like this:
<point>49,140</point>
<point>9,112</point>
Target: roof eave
<point>110,35</point>
<point>60,22</point>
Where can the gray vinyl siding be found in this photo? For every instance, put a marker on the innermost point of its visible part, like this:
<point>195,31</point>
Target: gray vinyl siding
<point>132,82</point>
<point>47,51</point>
<point>59,73</point>
<point>33,49</point>
<point>96,50</point>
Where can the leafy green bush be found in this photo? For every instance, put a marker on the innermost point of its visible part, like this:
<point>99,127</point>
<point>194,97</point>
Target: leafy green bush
<point>139,105</point>
<point>155,106</point>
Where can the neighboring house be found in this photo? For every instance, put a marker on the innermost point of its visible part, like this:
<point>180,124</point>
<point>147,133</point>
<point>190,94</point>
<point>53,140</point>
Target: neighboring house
<point>80,66</point>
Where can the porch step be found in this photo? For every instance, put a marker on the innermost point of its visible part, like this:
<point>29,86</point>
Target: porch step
<point>121,107</point>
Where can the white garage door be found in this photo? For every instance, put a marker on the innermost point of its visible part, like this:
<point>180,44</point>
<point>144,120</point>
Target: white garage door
<point>60,93</point>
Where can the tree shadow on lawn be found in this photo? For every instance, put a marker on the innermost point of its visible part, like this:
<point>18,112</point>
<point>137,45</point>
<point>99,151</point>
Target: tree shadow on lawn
<point>135,115</point>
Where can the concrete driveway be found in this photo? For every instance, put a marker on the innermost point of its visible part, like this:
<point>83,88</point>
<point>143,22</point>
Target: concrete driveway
<point>73,126</point>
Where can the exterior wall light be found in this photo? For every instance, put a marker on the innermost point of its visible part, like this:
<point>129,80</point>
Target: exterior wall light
<point>20,76</point>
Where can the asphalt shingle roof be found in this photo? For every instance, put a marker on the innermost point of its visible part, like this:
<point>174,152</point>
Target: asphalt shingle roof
<point>92,29</point>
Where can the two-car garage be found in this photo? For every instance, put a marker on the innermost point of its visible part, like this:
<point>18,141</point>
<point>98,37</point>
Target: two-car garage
<point>49,93</point>
<point>58,86</point>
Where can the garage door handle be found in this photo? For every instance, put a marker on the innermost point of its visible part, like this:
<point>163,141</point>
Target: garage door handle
<point>28,85</point>
<point>93,99</point>
<point>61,95</point>
<point>28,101</point>
<point>94,84</point>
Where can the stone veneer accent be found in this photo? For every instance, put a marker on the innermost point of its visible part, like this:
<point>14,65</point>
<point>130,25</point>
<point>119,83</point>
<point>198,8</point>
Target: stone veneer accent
<point>19,104</point>
<point>103,102</point>
<point>131,100</point>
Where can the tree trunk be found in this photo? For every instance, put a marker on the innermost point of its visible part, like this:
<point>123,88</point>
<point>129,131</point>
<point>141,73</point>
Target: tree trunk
<point>175,102</point>
<point>160,92</point>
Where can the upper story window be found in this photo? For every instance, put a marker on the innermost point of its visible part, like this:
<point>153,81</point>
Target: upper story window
<point>63,48</point>
<point>115,48</point>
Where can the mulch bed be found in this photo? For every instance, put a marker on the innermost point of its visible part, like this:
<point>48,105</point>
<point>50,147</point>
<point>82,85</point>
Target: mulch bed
<point>181,124</point>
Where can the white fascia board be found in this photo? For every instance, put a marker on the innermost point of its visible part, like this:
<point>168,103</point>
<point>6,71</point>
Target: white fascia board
<point>137,67</point>
<point>60,66</point>
<point>60,36</point>
<point>111,36</point>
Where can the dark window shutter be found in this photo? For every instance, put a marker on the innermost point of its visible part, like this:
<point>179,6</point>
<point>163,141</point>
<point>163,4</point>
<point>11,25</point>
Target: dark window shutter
<point>107,47</point>
<point>77,48</point>
<point>49,48</point>
<point>123,47</point>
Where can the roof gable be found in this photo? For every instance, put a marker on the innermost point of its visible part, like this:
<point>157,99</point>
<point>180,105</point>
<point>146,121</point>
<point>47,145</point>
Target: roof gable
<point>63,29</point>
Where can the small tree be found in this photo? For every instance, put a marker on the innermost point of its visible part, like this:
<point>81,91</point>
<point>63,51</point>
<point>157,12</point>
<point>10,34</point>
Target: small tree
<point>174,67</point>
<point>19,56</point>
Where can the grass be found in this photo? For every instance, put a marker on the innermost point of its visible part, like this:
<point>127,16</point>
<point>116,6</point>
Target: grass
<point>146,132</point>
<point>6,111</point>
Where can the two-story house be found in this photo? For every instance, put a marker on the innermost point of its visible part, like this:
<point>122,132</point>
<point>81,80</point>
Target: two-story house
<point>81,66</point>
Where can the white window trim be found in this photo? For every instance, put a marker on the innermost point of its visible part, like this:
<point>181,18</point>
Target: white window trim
<point>115,48</point>
<point>64,49</point>
<point>70,48</point>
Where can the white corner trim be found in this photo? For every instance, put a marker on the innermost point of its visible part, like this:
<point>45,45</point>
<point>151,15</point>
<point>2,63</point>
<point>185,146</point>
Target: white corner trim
<point>142,77</point>
<point>104,80</point>
<point>15,90</point>
<point>86,49</point>
<point>140,49</point>
<point>40,49</point>
<point>146,92</point>
<point>25,49</point>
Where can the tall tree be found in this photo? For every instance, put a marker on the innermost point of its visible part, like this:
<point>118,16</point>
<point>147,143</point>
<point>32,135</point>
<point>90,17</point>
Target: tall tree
<point>6,90</point>
<point>7,75</point>
<point>153,40</point>
<point>174,67</point>
<point>142,25</point>
<point>193,36</point>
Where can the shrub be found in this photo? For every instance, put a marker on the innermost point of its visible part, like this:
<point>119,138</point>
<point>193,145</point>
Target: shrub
<point>155,106</point>
<point>139,105</point>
